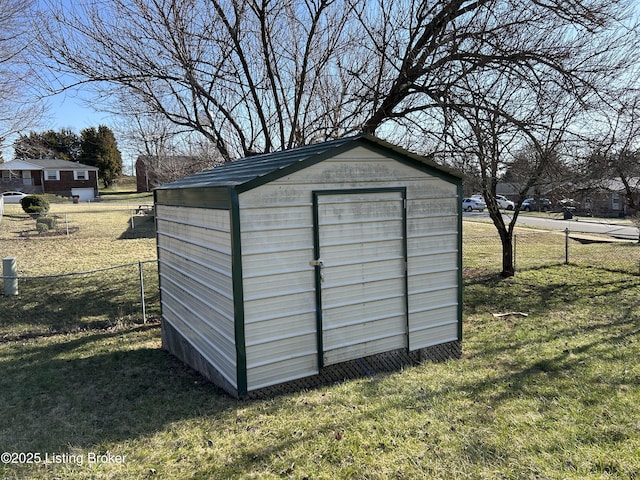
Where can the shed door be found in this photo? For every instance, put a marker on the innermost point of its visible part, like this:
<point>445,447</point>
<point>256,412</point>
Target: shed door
<point>360,263</point>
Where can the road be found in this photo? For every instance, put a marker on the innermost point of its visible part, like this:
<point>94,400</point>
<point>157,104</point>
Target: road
<point>622,230</point>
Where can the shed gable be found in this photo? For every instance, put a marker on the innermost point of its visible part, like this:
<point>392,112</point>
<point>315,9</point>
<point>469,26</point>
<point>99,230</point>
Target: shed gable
<point>277,237</point>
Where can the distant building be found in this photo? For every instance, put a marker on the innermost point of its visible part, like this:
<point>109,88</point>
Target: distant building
<point>602,197</point>
<point>50,175</point>
<point>152,171</point>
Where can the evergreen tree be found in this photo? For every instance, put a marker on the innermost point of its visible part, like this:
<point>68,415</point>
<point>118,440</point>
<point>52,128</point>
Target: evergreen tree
<point>63,144</point>
<point>100,149</point>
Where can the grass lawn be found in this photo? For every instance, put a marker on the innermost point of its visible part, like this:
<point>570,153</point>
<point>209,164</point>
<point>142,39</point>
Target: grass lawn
<point>554,394</point>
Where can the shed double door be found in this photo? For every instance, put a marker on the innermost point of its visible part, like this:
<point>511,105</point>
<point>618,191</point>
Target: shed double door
<point>361,287</point>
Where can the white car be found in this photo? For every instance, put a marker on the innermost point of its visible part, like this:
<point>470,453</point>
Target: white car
<point>470,204</point>
<point>13,197</point>
<point>504,202</point>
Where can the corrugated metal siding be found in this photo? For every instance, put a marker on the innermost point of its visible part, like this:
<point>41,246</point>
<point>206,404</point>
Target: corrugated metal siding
<point>194,251</point>
<point>433,270</point>
<point>279,292</point>
<point>279,285</point>
<point>362,314</point>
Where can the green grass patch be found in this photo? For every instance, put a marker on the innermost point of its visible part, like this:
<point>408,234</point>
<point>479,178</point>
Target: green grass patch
<point>88,240</point>
<point>553,393</point>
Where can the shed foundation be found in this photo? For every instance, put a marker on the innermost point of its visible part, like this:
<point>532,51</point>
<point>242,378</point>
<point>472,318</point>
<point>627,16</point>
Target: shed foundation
<point>386,362</point>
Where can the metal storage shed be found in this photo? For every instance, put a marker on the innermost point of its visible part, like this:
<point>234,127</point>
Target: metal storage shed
<point>286,266</point>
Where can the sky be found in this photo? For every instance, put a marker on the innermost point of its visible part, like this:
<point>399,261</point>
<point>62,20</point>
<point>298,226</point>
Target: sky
<point>67,110</point>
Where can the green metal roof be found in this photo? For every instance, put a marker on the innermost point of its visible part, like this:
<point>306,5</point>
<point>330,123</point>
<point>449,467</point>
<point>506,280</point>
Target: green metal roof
<point>253,171</point>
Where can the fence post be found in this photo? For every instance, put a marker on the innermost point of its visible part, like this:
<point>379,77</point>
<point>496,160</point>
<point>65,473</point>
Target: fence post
<point>566,246</point>
<point>142,303</point>
<point>9,269</point>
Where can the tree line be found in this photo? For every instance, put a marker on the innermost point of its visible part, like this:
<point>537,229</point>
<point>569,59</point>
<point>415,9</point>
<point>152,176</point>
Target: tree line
<point>96,147</point>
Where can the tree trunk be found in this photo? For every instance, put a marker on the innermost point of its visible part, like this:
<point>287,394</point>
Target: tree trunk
<point>505,232</point>
<point>508,266</point>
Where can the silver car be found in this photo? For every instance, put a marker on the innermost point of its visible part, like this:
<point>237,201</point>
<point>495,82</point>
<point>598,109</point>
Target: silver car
<point>470,204</point>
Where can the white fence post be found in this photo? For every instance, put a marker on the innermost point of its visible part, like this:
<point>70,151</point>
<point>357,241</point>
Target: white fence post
<point>142,302</point>
<point>10,270</point>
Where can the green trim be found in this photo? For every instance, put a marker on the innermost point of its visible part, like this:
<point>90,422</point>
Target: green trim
<point>318,280</point>
<point>460,284</point>
<point>197,197</point>
<point>367,141</point>
<point>405,246</point>
<point>238,293</point>
<point>155,224</point>
<point>317,254</point>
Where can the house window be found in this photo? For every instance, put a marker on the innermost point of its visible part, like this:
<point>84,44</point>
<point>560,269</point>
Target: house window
<point>615,202</point>
<point>10,175</point>
<point>52,175</point>
<point>26,178</point>
<point>80,175</point>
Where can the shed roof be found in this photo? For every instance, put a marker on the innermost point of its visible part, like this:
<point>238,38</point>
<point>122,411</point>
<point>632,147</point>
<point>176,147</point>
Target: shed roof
<point>256,170</point>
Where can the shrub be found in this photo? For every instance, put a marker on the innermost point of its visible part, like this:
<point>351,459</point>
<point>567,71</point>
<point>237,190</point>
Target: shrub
<point>44,224</point>
<point>42,227</point>
<point>35,205</point>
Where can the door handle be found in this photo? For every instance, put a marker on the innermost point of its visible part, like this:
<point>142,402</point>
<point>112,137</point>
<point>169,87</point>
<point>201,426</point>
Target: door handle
<point>319,264</point>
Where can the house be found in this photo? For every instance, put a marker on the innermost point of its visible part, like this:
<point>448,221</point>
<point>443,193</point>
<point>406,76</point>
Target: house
<point>323,262</point>
<point>52,175</point>
<point>152,171</point>
<point>606,197</point>
<point>601,197</point>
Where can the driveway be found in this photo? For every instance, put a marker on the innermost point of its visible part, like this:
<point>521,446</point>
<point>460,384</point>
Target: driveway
<point>618,229</point>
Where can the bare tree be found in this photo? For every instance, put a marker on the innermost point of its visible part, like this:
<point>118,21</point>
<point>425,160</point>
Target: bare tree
<point>168,152</point>
<point>495,125</point>
<point>250,76</point>
<point>447,77</point>
<point>16,109</point>
<point>613,161</point>
<point>486,79</point>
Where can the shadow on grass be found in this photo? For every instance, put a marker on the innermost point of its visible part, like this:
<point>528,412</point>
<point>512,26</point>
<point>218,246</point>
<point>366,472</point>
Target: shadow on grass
<point>140,226</point>
<point>67,304</point>
<point>541,290</point>
<point>98,387</point>
<point>105,387</point>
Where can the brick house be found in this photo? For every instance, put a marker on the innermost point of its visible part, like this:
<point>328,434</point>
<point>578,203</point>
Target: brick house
<point>51,175</point>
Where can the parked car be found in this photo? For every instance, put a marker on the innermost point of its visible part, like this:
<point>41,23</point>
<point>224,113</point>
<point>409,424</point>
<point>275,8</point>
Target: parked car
<point>530,205</point>
<point>13,197</point>
<point>504,202</point>
<point>470,204</point>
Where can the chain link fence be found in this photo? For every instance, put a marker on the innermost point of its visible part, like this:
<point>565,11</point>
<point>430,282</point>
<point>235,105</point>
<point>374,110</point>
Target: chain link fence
<point>72,302</point>
<point>542,249</point>
<point>128,293</point>
<point>84,298</point>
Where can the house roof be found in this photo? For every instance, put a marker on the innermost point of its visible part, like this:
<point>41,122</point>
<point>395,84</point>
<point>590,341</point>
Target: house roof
<point>253,171</point>
<point>44,164</point>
